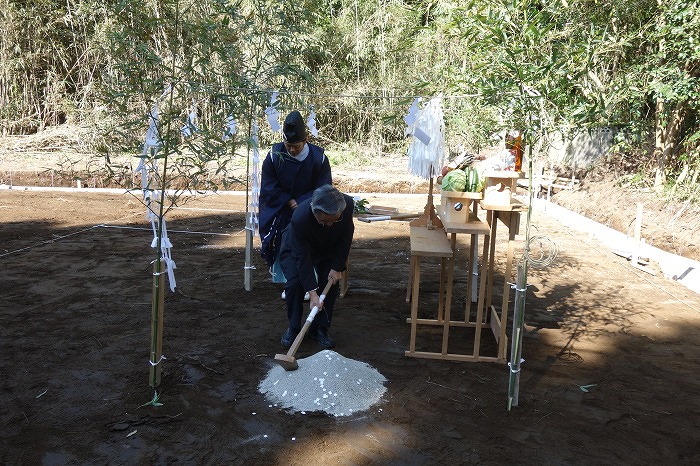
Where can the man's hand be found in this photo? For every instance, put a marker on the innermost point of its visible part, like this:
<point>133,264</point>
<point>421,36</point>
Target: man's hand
<point>292,203</point>
<point>314,300</point>
<point>334,276</point>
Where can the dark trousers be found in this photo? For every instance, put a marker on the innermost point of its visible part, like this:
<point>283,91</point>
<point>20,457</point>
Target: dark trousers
<point>295,297</point>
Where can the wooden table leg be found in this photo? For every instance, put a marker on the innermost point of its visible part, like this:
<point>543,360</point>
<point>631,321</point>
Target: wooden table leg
<point>441,291</point>
<point>414,302</point>
<point>470,264</point>
<point>493,221</point>
<point>473,268</point>
<point>410,279</point>
<point>483,276</point>
<point>448,294</point>
<point>506,289</point>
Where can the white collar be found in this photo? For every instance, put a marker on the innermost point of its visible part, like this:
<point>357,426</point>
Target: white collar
<point>303,154</point>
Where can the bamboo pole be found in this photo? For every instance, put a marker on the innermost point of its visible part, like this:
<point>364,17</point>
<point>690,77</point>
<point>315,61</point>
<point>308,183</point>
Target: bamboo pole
<point>519,300</point>
<point>248,276</point>
<point>637,234</point>
<point>249,224</point>
<point>157,309</point>
<point>517,344</point>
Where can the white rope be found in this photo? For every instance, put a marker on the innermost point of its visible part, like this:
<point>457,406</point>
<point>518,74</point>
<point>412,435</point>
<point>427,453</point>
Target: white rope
<point>515,371</point>
<point>514,286</point>
<point>381,93</point>
<point>187,232</point>
<point>48,241</point>
<point>156,363</point>
<point>202,209</point>
<point>545,248</point>
<point>116,227</point>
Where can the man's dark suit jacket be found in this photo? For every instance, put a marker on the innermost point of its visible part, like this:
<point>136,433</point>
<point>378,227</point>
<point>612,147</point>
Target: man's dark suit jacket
<point>306,242</point>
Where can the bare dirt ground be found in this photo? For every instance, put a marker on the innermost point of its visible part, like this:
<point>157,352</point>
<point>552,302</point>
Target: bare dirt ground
<point>610,371</point>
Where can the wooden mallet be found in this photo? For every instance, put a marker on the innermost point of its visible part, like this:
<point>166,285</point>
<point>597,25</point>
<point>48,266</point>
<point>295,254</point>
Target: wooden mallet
<point>288,361</point>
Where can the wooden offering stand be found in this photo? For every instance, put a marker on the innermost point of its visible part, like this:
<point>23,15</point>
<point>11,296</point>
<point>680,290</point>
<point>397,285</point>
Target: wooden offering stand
<point>509,216</point>
<point>427,243</point>
<point>429,219</point>
<point>421,241</point>
<point>435,243</point>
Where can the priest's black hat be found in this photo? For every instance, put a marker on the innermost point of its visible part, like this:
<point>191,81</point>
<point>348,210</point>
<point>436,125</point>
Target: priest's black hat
<point>294,129</point>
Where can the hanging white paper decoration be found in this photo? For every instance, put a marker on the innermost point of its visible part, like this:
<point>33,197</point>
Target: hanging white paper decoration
<point>311,122</point>
<point>254,203</point>
<point>190,126</point>
<point>412,116</point>
<point>148,165</point>
<point>166,255</point>
<point>273,115</point>
<point>152,138</point>
<point>230,128</point>
<point>426,152</point>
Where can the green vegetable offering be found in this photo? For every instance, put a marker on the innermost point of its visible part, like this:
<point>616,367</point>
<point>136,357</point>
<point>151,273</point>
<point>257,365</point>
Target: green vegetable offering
<point>454,180</point>
<point>472,183</point>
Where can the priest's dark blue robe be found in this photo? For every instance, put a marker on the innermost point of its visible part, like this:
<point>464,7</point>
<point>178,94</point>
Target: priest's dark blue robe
<point>283,178</point>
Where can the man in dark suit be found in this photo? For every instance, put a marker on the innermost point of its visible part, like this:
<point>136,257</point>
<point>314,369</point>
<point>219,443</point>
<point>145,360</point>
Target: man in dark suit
<point>315,248</point>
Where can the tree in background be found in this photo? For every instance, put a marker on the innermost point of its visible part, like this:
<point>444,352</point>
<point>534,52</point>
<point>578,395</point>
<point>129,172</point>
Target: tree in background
<point>179,71</point>
<point>592,63</point>
<point>215,58</point>
<point>49,62</point>
<point>675,85</point>
<point>630,65</point>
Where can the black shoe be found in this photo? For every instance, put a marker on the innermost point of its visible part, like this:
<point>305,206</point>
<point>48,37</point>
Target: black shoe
<point>321,337</point>
<point>289,337</point>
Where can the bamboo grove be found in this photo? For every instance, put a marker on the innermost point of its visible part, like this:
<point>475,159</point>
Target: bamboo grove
<point>561,65</point>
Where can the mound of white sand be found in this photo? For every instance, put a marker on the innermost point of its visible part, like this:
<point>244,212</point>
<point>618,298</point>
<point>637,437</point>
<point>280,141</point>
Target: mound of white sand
<point>326,382</point>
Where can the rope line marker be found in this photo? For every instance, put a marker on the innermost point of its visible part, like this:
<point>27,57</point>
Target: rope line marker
<point>156,363</point>
<point>514,286</point>
<point>515,371</point>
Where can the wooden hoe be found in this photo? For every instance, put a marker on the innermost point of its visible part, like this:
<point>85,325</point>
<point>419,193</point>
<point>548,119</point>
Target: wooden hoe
<point>288,361</point>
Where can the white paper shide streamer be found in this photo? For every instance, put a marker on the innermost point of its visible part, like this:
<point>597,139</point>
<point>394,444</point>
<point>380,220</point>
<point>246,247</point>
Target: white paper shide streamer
<point>148,165</point>
<point>412,117</point>
<point>190,126</point>
<point>254,202</point>
<point>165,247</point>
<point>427,128</point>
<point>311,122</point>
<point>272,114</point>
<point>230,128</point>
<point>152,138</point>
